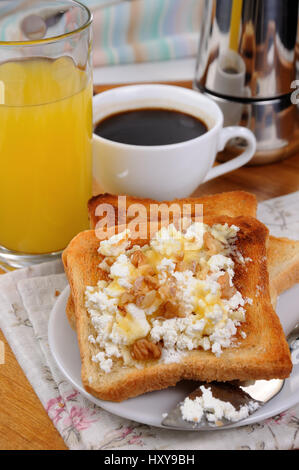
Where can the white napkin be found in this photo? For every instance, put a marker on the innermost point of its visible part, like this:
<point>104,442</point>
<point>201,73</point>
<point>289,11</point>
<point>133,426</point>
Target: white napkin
<point>26,299</point>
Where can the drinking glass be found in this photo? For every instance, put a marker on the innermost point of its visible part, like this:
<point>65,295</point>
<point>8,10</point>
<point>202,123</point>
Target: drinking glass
<point>45,127</point>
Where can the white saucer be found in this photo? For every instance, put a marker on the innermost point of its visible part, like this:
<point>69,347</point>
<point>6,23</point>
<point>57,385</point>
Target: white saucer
<point>148,408</point>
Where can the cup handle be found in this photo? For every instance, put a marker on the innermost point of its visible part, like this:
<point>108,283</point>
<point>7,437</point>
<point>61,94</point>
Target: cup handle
<point>226,134</point>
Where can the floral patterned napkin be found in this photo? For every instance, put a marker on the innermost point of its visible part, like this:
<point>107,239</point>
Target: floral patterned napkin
<point>26,299</point>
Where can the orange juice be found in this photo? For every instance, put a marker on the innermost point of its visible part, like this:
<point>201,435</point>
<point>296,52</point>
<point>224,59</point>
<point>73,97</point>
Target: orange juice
<point>45,153</point>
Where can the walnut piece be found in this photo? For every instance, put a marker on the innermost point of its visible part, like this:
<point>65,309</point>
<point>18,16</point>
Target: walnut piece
<point>146,300</point>
<point>227,291</point>
<point>169,289</point>
<point>213,246</point>
<point>170,310</point>
<point>139,286</point>
<point>203,272</point>
<point>151,281</point>
<point>138,258</point>
<point>147,270</point>
<point>192,266</point>
<point>143,350</point>
<point>126,298</point>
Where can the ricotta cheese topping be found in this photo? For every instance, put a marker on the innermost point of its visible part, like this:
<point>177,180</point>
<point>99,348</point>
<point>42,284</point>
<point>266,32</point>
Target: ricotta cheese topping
<point>214,409</point>
<point>161,300</point>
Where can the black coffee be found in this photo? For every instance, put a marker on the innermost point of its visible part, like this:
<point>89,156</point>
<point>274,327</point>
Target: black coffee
<point>150,126</point>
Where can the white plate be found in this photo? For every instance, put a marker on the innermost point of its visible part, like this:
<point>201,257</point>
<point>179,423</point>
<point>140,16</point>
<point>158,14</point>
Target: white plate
<point>148,408</point>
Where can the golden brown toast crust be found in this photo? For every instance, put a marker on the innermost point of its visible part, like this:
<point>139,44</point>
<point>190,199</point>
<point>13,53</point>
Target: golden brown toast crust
<point>70,312</point>
<point>264,354</point>
<point>232,204</point>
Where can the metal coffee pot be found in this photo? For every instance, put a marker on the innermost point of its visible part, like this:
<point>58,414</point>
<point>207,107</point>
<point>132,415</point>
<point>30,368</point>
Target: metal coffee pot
<point>248,63</point>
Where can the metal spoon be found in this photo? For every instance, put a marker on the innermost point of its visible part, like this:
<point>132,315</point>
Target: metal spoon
<point>259,392</point>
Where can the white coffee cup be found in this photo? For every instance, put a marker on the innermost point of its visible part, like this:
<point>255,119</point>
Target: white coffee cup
<point>163,172</point>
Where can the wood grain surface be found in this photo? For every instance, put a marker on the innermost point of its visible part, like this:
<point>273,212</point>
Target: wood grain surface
<point>24,423</point>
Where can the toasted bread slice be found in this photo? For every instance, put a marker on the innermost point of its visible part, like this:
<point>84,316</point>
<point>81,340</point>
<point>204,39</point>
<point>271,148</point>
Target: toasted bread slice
<point>283,263</point>
<point>263,354</point>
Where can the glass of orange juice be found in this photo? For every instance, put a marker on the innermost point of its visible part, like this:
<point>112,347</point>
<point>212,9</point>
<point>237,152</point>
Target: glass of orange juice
<point>45,127</point>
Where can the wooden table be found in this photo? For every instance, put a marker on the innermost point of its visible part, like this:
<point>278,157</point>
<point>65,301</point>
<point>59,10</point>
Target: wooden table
<point>24,423</point>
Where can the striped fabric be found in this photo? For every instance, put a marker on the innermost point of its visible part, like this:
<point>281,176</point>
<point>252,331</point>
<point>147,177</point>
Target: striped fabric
<point>128,31</point>
<point>144,30</point>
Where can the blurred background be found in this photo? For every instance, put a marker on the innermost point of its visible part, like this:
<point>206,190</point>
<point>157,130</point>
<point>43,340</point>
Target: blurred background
<point>130,31</point>
<point>162,35</point>
<point>154,40</point>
